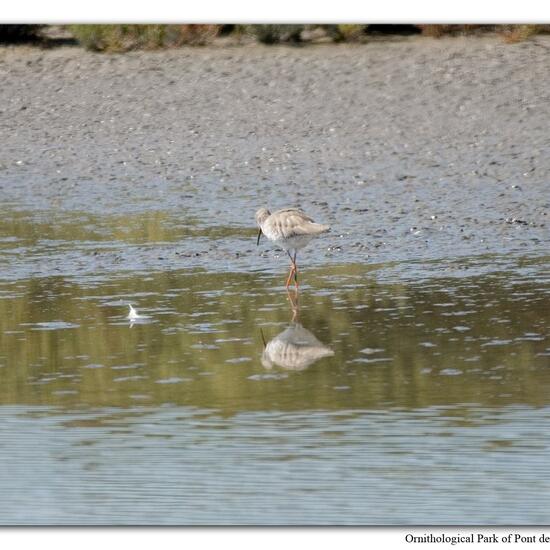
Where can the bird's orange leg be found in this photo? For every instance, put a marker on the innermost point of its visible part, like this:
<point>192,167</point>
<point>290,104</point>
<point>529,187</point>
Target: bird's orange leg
<point>292,272</point>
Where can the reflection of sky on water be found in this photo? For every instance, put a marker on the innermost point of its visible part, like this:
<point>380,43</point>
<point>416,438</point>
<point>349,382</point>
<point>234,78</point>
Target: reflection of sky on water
<point>181,465</point>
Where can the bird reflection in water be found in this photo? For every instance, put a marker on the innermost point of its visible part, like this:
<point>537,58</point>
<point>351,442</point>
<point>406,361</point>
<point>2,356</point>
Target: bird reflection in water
<point>296,348</point>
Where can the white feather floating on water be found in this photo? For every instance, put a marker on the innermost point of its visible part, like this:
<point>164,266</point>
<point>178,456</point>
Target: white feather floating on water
<point>133,314</point>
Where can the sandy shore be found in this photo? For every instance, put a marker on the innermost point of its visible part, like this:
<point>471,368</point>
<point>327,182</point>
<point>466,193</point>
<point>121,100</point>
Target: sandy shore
<point>410,149</point>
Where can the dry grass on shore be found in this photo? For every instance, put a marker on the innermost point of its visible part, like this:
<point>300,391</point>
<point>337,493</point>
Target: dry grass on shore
<point>118,38</point>
<point>121,38</point>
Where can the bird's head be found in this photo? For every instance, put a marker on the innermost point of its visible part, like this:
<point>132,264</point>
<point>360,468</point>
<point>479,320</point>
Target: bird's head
<point>261,215</point>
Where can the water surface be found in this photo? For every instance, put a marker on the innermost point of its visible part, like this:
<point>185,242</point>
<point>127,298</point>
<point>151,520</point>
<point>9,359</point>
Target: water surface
<point>381,394</point>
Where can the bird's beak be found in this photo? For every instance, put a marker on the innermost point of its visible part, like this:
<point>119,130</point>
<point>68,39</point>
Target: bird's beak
<point>259,235</point>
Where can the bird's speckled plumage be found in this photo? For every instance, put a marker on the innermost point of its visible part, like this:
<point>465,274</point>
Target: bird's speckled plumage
<point>289,228</point>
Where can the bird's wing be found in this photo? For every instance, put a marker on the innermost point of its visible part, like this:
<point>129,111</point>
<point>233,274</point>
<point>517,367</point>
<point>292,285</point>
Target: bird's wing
<point>294,212</point>
<point>294,222</point>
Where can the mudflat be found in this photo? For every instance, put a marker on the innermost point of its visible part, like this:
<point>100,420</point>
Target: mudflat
<point>410,149</point>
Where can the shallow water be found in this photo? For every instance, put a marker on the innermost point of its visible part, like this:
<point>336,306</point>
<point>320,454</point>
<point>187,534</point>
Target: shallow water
<point>381,394</point>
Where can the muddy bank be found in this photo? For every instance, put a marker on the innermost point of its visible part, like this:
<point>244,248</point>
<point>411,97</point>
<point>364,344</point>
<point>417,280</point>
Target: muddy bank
<point>411,149</point>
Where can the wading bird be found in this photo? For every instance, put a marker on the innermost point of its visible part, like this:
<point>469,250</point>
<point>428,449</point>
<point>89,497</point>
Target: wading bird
<point>291,229</point>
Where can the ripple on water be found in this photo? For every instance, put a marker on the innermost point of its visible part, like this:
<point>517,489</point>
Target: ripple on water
<point>173,380</point>
<point>52,325</point>
<point>268,376</point>
<point>371,360</point>
<point>450,372</point>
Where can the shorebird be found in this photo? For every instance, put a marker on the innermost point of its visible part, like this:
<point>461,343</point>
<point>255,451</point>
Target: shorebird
<point>291,229</point>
